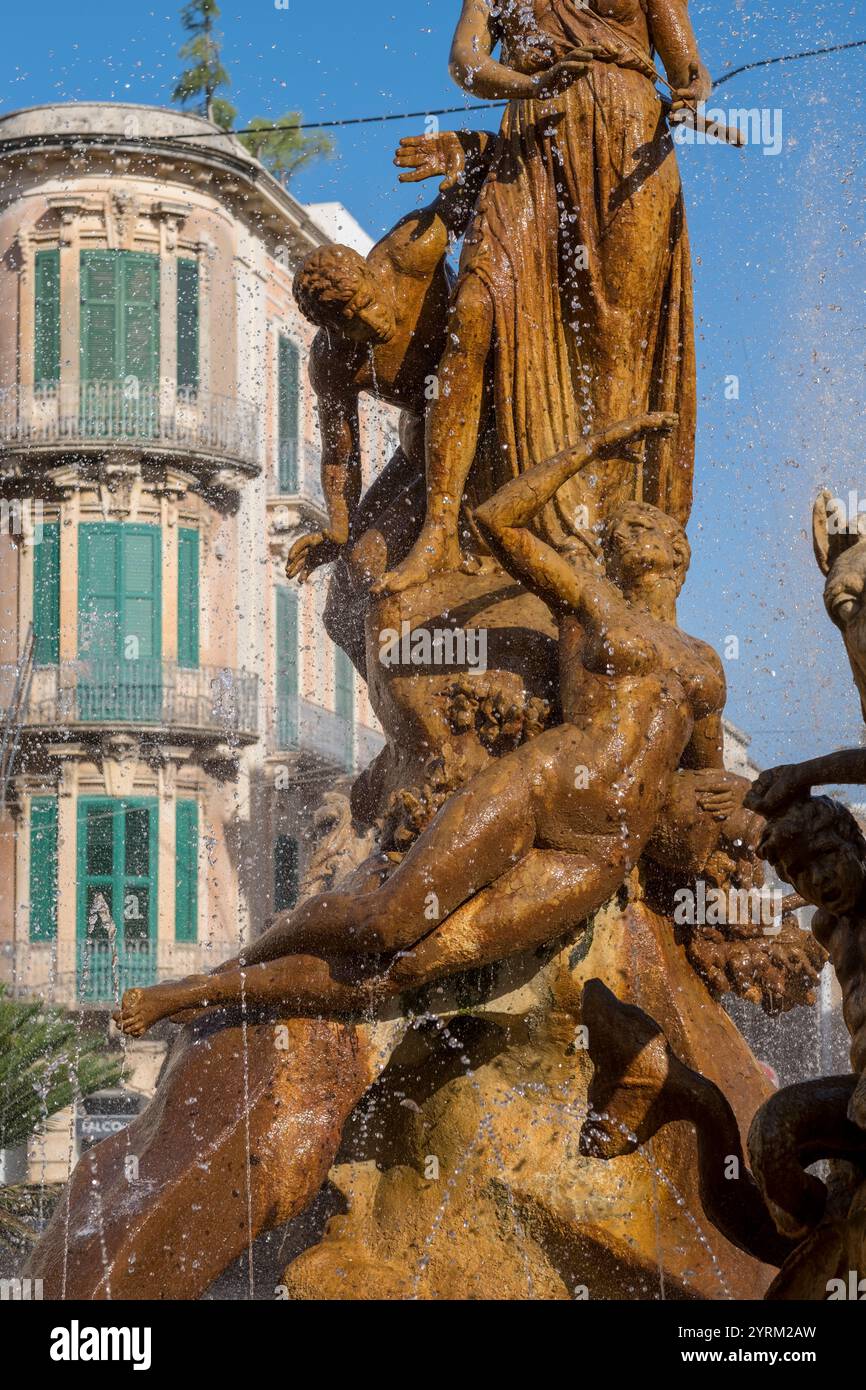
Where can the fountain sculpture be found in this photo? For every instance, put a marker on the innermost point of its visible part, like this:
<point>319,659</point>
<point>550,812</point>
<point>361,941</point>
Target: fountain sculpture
<point>418,1049</point>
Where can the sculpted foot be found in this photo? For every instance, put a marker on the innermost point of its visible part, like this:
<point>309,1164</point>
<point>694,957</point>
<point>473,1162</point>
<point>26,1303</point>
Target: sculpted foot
<point>141,1008</point>
<point>434,551</point>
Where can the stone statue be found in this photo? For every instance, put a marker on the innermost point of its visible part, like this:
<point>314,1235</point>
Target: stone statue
<point>413,1031</point>
<point>382,330</point>
<point>840,550</point>
<point>547,833</point>
<point>780,1212</point>
<point>813,1228</point>
<point>572,273</point>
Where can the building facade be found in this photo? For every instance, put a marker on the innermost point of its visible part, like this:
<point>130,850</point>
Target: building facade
<point>173,710</point>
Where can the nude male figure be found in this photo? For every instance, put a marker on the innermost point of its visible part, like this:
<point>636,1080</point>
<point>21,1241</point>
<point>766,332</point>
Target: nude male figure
<point>382,329</point>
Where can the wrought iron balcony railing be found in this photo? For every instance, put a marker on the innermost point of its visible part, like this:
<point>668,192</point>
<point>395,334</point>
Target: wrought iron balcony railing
<point>299,726</point>
<point>206,699</point>
<point>94,973</point>
<point>90,414</point>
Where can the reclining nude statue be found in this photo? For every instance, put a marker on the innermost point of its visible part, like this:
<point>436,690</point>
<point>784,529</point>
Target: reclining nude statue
<point>566,816</point>
<point>812,1227</point>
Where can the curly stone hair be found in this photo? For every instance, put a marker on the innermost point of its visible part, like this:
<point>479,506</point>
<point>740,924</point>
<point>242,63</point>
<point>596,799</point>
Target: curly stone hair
<point>671,527</point>
<point>805,819</point>
<point>777,973</point>
<point>326,281</point>
<point>781,971</point>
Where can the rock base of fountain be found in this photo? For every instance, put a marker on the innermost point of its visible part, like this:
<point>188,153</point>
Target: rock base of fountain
<point>461,1175</point>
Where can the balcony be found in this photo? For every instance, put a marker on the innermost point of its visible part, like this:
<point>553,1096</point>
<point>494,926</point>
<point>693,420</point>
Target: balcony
<point>319,735</point>
<point>191,428</point>
<point>213,701</point>
<point>93,974</point>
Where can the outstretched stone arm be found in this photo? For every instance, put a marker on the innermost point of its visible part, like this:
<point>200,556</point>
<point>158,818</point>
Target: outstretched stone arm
<point>504,518</point>
<point>778,786</point>
<point>340,470</point>
<point>462,157</point>
<point>474,68</point>
<point>673,37</point>
<point>521,499</point>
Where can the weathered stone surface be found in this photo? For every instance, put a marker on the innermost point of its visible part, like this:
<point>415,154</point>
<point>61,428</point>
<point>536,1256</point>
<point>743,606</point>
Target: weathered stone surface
<point>516,1211</point>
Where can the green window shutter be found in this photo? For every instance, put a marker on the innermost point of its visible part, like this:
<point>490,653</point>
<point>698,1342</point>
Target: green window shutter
<point>120,622</point>
<point>98,589</point>
<point>288,411</point>
<point>46,595</point>
<point>141,609</point>
<point>285,873</point>
<point>186,880</point>
<point>46,370</point>
<point>187,598</point>
<point>117,860</point>
<point>43,868</point>
<point>139,288</point>
<point>119,591</point>
<point>287,667</point>
<point>187,325</point>
<point>119,316</point>
<point>100,309</point>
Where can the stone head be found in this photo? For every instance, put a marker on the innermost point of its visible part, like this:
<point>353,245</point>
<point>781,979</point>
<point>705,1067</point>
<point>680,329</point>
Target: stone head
<point>336,288</point>
<point>640,540</point>
<point>817,845</point>
<point>840,549</point>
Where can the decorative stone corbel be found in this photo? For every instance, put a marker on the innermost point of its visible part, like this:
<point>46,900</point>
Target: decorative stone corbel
<point>171,217</point>
<point>65,480</point>
<point>167,763</point>
<point>70,206</point>
<point>119,757</point>
<point>171,489</point>
<point>122,216</point>
<point>120,487</point>
<point>26,249</point>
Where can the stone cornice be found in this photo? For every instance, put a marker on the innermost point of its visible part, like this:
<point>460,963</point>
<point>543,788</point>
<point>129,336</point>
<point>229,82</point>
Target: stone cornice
<point>245,186</point>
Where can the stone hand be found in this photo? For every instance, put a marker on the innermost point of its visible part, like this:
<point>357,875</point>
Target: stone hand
<point>714,794</point>
<point>774,789</point>
<point>426,156</point>
<point>308,552</point>
<point>686,99</point>
<point>624,431</point>
<point>553,81</point>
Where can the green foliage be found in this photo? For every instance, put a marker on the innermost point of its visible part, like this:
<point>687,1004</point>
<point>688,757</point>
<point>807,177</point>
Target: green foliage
<point>24,1208</point>
<point>45,1063</point>
<point>282,147</point>
<point>205,75</point>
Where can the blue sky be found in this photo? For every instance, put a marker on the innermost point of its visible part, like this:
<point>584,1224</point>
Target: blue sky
<point>778,244</point>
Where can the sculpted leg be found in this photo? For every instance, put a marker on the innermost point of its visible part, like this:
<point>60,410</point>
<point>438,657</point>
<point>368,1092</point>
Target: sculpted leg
<point>299,985</point>
<point>452,437</point>
<point>529,905</point>
<point>481,831</point>
<point>533,903</point>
